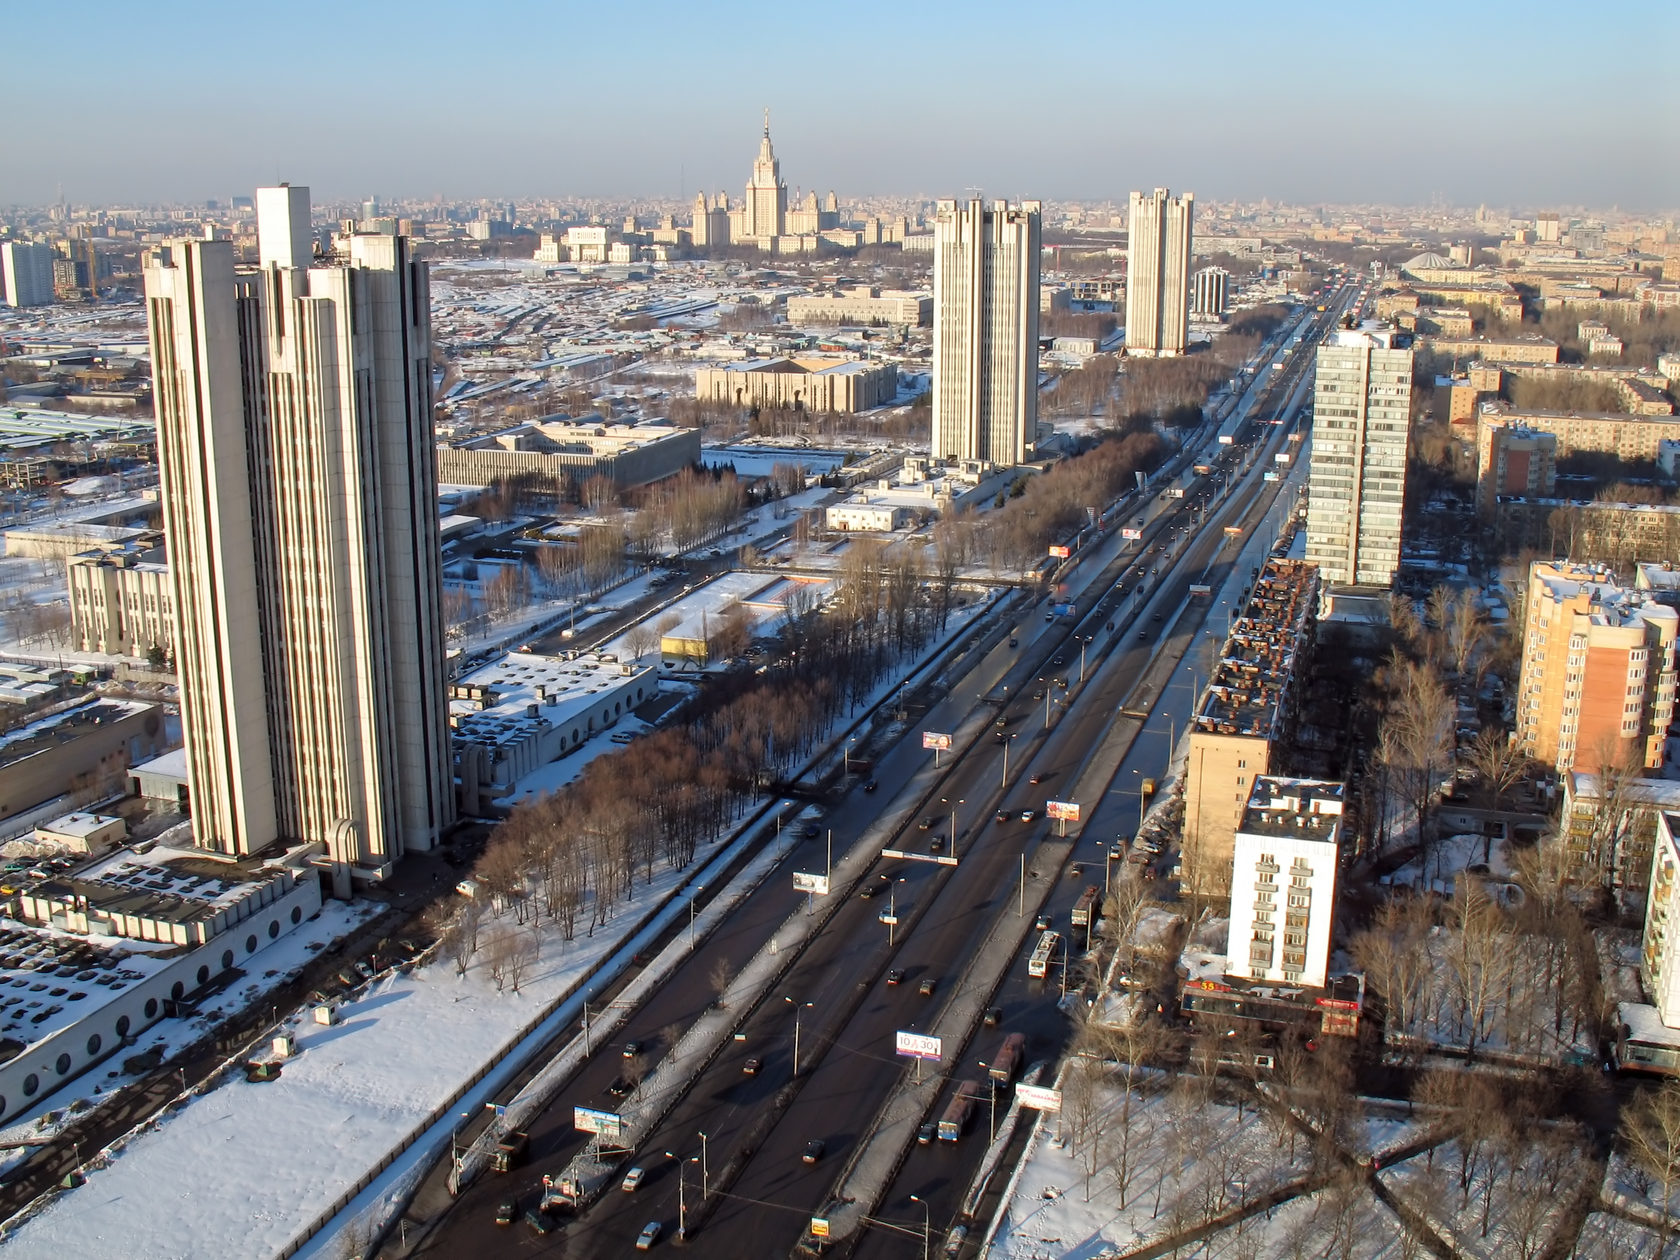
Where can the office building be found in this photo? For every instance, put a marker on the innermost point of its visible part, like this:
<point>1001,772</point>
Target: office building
<point>985,330</point>
<point>1246,717</point>
<point>861,305</point>
<point>1362,398</point>
<point>121,602</point>
<point>1598,671</point>
<point>29,273</point>
<point>298,485</point>
<point>1285,855</point>
<point>559,448</point>
<point>810,382</point>
<point>1210,295</point>
<point>1160,231</point>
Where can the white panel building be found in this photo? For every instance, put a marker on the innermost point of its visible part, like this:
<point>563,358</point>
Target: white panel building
<point>29,273</point>
<point>298,483</point>
<point>1362,401</point>
<point>985,330</point>
<point>1283,881</point>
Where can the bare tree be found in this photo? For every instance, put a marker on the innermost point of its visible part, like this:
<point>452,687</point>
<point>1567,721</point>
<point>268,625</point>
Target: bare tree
<point>718,977</point>
<point>461,941</point>
<point>1651,1130</point>
<point>640,640</point>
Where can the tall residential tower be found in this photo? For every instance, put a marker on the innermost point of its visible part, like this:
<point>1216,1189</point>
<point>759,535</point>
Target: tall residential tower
<point>1159,232</point>
<point>985,330</point>
<point>1362,401</point>
<point>298,483</point>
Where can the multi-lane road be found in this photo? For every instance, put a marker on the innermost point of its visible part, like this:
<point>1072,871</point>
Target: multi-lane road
<point>731,1152</point>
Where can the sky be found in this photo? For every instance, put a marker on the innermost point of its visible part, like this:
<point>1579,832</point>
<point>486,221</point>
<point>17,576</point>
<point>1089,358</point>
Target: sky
<point>1527,105</point>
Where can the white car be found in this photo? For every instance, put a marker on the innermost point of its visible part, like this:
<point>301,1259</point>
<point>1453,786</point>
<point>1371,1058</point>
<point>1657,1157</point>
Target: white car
<point>632,1180</point>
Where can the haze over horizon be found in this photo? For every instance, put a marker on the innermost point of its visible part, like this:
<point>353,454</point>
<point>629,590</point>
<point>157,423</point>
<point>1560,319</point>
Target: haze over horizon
<point>1520,105</point>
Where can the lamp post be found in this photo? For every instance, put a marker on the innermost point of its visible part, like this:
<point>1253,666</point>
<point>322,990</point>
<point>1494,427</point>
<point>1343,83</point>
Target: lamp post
<point>1084,641</point>
<point>946,800</point>
<point>991,1093</point>
<point>1006,744</point>
<point>692,900</point>
<point>705,1171</point>
<point>892,912</point>
<point>798,1008</point>
<point>927,1225</point>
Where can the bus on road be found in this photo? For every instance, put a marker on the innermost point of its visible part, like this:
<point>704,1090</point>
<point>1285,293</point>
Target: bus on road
<point>955,1119</point>
<point>1007,1061</point>
<point>1038,966</point>
<point>1083,907</point>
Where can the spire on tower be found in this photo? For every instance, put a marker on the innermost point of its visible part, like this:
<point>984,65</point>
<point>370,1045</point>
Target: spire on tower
<point>766,122</point>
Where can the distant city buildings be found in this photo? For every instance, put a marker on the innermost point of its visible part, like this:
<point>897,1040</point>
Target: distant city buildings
<point>1159,242</point>
<point>1598,671</point>
<point>985,330</point>
<point>298,488</point>
<point>29,273</point>
<point>765,219</point>
<point>861,305</point>
<point>558,448</point>
<point>1285,855</point>
<point>1362,397</point>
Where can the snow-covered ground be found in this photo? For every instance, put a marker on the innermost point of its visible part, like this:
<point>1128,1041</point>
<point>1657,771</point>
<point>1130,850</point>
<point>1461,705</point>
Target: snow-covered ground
<point>245,1168</point>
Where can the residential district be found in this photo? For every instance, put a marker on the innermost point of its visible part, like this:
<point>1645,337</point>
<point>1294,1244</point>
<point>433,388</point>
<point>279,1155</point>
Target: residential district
<point>1024,728</point>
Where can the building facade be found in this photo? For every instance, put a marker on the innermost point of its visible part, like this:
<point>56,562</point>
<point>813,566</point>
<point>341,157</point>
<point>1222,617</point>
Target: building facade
<point>29,273</point>
<point>1285,856</point>
<point>559,447</point>
<point>806,383</point>
<point>1210,293</point>
<point>1659,957</point>
<point>861,305</point>
<point>1518,460</point>
<point>298,482</point>
<point>985,330</point>
<point>121,602</point>
<point>1160,230</point>
<point>1598,671</point>
<point>1246,716</point>
<point>1362,397</point>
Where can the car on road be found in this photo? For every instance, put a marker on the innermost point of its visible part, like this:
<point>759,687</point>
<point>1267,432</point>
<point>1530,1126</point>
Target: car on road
<point>927,823</point>
<point>1014,643</point>
<point>994,1016</point>
<point>1075,871</point>
<point>621,1087</point>
<point>1038,695</point>
<point>1157,617</point>
<point>632,1049</point>
<point>1027,815</point>
<point>868,891</point>
<point>954,1241</point>
<point>926,987</point>
<point>1058,659</point>
<point>813,1151</point>
<point>1037,778</point>
<point>752,1067</point>
<point>1149,787</point>
<point>649,1235</point>
<point>1143,636</point>
<point>895,976</point>
<point>926,1133</point>
<point>1042,923</point>
<point>633,1180</point>
<point>507,1211</point>
<point>870,786</point>
<point>539,1221</point>
<point>1001,816</point>
<point>1116,852</point>
<point>936,843</point>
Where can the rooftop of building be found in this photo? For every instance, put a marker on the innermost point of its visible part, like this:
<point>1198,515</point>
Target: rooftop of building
<point>1370,335</point>
<point>1608,602</point>
<point>64,726</point>
<point>1294,809</point>
<point>79,824</point>
<point>505,698</point>
<point>1663,794</point>
<point>590,433</point>
<point>51,979</point>
<point>1659,576</point>
<point>1258,659</point>
<point>809,365</point>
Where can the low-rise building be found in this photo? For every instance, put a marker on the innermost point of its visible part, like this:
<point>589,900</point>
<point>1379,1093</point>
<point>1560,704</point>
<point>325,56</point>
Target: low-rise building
<point>1628,437</point>
<point>862,305</point>
<point>83,833</point>
<point>122,602</point>
<point>1247,715</point>
<point>559,446</point>
<point>86,748</point>
<point>1523,348</point>
<point>1609,828</point>
<point>515,715</point>
<point>807,383</point>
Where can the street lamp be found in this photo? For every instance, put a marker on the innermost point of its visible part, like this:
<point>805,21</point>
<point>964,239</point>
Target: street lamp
<point>991,1093</point>
<point>1083,642</point>
<point>946,800</point>
<point>892,911</point>
<point>705,1171</point>
<point>1006,744</point>
<point>927,1225</point>
<point>798,1008</point>
<point>693,899</point>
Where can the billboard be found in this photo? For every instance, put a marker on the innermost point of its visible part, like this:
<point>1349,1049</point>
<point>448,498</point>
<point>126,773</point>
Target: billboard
<point>1225,439</point>
<point>1039,1098</point>
<point>1233,531</point>
<point>935,739</point>
<point>804,883</point>
<point>1132,534</point>
<point>819,1227</point>
<point>1063,610</point>
<point>917,1046</point>
<point>1066,811</point>
<point>606,1123</point>
<point>1060,552</point>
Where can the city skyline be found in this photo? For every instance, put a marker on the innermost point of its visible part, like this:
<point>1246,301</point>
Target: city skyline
<point>668,127</point>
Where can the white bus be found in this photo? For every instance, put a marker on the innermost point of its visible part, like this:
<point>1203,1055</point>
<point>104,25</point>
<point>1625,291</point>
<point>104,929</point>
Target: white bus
<point>1038,966</point>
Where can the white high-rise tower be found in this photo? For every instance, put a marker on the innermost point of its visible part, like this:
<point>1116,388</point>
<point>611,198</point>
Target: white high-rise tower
<point>1160,231</point>
<point>298,482</point>
<point>985,330</point>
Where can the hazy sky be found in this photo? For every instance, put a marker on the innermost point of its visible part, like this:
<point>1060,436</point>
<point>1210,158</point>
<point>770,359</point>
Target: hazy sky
<point>1522,104</point>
